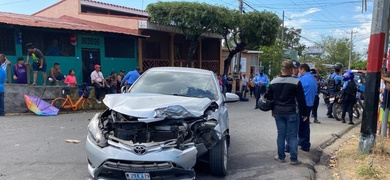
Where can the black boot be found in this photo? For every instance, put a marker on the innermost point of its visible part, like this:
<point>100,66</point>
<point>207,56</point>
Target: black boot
<point>351,122</point>
<point>317,121</point>
<point>343,121</point>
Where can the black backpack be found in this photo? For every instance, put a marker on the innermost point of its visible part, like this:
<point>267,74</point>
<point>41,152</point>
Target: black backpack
<point>84,91</point>
<point>331,84</point>
<point>351,90</point>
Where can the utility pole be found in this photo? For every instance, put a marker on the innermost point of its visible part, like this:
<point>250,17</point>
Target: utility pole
<point>282,28</point>
<point>238,59</point>
<point>379,27</point>
<point>350,50</point>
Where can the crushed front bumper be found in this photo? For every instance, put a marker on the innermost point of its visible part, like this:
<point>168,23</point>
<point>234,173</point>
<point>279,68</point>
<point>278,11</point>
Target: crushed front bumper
<point>114,161</point>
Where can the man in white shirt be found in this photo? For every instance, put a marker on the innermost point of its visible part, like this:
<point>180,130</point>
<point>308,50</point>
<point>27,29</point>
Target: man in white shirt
<point>4,62</point>
<point>244,86</point>
<point>99,82</point>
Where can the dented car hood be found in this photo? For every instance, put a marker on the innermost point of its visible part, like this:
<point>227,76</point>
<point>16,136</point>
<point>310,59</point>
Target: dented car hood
<point>156,107</point>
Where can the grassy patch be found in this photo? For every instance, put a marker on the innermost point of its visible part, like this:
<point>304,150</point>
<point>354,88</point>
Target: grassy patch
<point>365,171</point>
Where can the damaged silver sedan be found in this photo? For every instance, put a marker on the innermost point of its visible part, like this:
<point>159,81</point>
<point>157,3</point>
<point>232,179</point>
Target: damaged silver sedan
<point>169,119</point>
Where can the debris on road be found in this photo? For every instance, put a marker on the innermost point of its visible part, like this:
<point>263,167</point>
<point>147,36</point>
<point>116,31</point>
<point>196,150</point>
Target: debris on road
<point>74,141</point>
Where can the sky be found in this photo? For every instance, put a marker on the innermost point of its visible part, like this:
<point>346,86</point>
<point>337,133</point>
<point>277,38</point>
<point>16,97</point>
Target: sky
<point>316,18</point>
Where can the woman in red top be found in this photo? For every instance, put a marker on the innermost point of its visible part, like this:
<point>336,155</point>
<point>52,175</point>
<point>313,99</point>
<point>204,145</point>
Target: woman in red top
<point>70,80</point>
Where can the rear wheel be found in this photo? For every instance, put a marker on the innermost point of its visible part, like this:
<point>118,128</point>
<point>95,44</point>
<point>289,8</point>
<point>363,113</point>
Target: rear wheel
<point>337,110</point>
<point>87,104</point>
<point>218,158</point>
<point>59,103</point>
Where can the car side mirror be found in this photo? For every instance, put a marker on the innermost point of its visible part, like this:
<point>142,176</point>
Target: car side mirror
<point>230,97</point>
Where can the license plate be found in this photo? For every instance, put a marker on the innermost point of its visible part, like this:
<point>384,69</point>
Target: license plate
<point>137,176</point>
<point>331,99</point>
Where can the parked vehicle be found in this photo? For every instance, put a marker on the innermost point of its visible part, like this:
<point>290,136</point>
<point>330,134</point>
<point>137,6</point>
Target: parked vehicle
<point>337,107</point>
<point>168,119</point>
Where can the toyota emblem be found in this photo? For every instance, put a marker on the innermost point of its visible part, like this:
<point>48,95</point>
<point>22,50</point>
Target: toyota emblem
<point>141,150</point>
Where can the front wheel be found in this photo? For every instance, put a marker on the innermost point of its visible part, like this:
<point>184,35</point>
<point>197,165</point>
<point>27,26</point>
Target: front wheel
<point>218,158</point>
<point>356,113</point>
<point>59,103</point>
<point>337,110</point>
<point>87,105</point>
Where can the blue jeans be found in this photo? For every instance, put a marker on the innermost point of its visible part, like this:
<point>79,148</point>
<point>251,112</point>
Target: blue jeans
<point>2,104</point>
<point>287,140</point>
<point>304,131</point>
<point>287,126</point>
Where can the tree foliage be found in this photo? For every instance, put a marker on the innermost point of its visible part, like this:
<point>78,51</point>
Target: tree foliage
<point>272,58</point>
<point>250,30</point>
<point>291,39</point>
<point>359,65</point>
<point>193,19</point>
<point>337,50</point>
<point>273,55</point>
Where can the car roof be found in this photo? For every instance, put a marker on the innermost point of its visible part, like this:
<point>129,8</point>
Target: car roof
<point>180,69</point>
<point>356,71</point>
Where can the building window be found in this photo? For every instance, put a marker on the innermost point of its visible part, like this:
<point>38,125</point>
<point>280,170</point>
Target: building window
<point>50,43</point>
<point>7,41</point>
<point>90,41</point>
<point>119,47</point>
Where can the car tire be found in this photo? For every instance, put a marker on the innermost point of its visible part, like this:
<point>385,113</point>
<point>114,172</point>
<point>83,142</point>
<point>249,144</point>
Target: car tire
<point>218,158</point>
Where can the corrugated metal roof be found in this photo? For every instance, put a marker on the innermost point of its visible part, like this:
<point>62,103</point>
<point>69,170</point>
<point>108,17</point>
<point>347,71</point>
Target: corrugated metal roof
<point>64,22</point>
<point>114,5</point>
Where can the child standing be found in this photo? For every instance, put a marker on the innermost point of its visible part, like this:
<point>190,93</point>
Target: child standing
<point>70,80</point>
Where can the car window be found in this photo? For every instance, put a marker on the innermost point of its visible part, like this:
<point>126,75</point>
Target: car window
<point>359,78</point>
<point>176,83</point>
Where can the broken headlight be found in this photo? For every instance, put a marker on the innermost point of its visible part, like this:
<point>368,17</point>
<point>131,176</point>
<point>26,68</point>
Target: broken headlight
<point>95,133</point>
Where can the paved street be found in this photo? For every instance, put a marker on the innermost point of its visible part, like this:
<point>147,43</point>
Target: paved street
<point>34,147</point>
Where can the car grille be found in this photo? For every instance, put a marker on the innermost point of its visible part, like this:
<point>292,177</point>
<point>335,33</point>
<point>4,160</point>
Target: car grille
<point>138,166</point>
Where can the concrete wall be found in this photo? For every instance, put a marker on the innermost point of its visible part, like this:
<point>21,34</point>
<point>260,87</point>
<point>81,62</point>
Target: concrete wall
<point>64,7</point>
<point>248,57</point>
<point>72,8</point>
<point>14,100</point>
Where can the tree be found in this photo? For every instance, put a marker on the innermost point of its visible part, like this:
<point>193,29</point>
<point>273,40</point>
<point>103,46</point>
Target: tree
<point>193,19</point>
<point>359,65</point>
<point>271,58</point>
<point>337,50</point>
<point>251,30</point>
<point>273,55</point>
<point>291,39</point>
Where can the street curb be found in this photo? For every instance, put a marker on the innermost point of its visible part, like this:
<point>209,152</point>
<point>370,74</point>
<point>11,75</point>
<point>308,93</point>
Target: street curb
<point>317,157</point>
<point>336,136</point>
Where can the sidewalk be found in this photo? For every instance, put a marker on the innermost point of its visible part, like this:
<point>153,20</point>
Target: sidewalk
<point>323,136</point>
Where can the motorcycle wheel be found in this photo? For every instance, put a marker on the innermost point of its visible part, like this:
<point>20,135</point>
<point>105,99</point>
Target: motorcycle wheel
<point>337,110</point>
<point>356,113</point>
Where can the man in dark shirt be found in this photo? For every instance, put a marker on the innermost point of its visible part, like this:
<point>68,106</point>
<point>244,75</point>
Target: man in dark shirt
<point>285,91</point>
<point>229,83</point>
<point>39,63</point>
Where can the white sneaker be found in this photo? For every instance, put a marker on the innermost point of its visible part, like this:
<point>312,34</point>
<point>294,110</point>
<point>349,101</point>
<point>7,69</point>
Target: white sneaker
<point>99,102</point>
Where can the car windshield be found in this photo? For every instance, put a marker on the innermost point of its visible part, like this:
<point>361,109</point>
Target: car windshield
<point>359,78</point>
<point>177,84</point>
